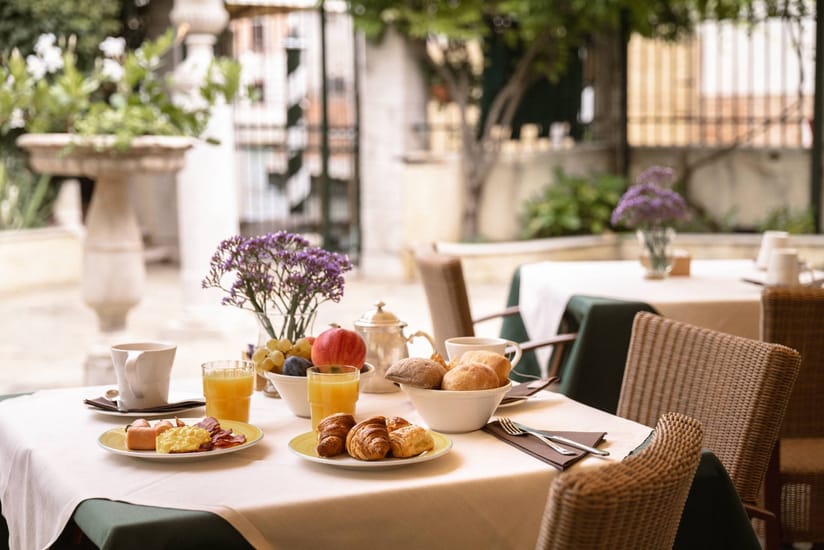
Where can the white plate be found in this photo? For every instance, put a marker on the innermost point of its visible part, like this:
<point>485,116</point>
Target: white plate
<point>114,441</point>
<point>304,446</point>
<point>167,412</point>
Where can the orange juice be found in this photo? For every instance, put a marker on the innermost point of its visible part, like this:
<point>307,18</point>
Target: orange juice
<point>228,388</point>
<point>331,389</point>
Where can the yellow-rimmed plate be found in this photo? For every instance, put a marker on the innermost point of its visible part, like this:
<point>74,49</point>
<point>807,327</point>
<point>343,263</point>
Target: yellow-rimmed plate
<point>114,441</point>
<point>305,444</point>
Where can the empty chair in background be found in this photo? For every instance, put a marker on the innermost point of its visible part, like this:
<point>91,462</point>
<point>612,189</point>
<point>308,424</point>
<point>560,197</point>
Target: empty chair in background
<point>445,288</point>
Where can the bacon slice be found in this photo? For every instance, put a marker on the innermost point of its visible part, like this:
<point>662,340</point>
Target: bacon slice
<point>221,438</point>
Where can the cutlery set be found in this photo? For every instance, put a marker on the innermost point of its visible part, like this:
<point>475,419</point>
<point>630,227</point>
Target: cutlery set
<point>514,428</point>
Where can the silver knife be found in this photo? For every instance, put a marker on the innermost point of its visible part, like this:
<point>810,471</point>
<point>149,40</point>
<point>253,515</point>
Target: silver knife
<point>564,441</point>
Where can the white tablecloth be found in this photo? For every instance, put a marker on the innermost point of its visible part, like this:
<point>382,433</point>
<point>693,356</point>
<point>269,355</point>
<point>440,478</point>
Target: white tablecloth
<point>484,493</point>
<point>713,296</point>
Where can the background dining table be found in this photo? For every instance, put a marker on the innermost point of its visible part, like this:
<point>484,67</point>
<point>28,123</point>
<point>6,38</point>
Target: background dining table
<point>482,493</point>
<point>723,295</point>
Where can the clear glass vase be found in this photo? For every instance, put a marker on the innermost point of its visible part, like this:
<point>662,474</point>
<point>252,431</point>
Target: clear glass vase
<point>656,251</point>
<point>279,327</point>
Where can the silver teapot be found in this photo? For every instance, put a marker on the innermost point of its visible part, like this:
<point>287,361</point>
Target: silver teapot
<point>385,344</point>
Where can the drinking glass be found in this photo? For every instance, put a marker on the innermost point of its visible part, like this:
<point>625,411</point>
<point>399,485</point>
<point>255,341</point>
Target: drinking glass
<point>228,386</point>
<point>331,389</point>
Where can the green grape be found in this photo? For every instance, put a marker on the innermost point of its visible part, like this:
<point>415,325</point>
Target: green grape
<point>284,345</point>
<point>259,355</point>
<point>302,348</point>
<point>277,358</point>
<point>266,365</point>
<point>272,344</point>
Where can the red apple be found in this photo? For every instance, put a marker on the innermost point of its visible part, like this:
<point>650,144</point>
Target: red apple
<point>339,346</point>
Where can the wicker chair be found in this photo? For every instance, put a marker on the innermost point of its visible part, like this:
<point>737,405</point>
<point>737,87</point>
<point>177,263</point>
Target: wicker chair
<point>736,387</point>
<point>446,295</point>
<point>795,317</point>
<point>636,503</point>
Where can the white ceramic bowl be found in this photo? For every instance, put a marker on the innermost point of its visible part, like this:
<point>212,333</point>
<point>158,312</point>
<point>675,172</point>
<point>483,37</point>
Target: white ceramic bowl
<point>456,411</point>
<point>293,389</point>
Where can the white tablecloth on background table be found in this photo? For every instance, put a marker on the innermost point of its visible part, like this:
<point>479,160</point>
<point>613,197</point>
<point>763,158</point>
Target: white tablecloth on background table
<point>713,296</point>
<point>484,493</point>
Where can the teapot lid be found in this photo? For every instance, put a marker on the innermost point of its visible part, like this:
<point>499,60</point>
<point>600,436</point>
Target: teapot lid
<point>379,318</point>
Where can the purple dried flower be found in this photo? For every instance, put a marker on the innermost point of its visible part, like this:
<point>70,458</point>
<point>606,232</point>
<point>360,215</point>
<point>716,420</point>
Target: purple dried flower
<point>649,203</point>
<point>280,273</point>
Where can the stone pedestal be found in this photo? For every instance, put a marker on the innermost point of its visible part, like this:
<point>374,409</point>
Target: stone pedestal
<point>113,269</point>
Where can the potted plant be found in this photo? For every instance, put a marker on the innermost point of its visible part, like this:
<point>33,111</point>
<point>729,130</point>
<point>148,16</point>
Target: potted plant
<point>118,118</point>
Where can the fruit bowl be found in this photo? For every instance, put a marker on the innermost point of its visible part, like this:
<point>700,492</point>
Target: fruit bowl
<point>456,411</point>
<point>293,389</point>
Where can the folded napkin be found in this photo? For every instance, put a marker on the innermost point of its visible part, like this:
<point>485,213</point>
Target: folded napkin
<point>531,445</point>
<point>106,404</point>
<point>518,391</point>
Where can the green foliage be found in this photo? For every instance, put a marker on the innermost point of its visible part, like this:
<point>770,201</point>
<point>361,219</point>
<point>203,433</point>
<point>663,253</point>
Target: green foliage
<point>123,95</point>
<point>22,21</point>
<point>785,219</point>
<point>573,205</point>
<point>25,199</point>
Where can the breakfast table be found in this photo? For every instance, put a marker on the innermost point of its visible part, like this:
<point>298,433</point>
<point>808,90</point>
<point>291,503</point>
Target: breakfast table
<point>482,492</point>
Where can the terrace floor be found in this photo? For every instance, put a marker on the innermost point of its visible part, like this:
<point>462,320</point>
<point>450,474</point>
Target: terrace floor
<point>47,333</point>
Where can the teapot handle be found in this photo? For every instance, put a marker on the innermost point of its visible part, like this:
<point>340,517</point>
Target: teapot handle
<point>425,335</point>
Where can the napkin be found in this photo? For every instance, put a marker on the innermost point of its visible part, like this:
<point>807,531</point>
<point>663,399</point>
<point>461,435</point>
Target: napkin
<point>531,445</point>
<point>106,404</point>
<point>518,391</point>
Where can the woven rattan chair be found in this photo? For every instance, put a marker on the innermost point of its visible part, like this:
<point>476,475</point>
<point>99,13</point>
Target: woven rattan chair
<point>736,387</point>
<point>636,503</point>
<point>445,288</point>
<point>795,317</point>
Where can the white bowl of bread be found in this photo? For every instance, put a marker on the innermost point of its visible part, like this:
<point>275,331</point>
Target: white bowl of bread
<point>454,397</point>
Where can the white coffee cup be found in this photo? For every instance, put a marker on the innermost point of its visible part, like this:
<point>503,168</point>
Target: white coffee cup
<point>783,268</point>
<point>143,370</point>
<point>770,241</point>
<point>457,346</point>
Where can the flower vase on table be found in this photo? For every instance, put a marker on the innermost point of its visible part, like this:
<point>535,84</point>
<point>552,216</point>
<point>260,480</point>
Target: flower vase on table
<point>656,251</point>
<point>651,208</point>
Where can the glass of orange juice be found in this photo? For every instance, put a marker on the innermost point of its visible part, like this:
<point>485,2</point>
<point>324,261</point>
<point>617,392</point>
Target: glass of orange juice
<point>331,389</point>
<point>228,386</point>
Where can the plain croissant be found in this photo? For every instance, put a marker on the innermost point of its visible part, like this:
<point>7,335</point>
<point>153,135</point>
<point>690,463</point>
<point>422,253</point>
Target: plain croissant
<point>332,432</point>
<point>369,439</point>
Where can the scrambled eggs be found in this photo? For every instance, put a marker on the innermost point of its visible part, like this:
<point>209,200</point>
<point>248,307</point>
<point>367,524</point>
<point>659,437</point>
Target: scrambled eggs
<point>185,439</point>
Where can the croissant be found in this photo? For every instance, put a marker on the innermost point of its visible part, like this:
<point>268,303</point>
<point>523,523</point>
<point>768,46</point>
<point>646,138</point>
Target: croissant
<point>410,441</point>
<point>395,422</point>
<point>332,432</point>
<point>368,439</point>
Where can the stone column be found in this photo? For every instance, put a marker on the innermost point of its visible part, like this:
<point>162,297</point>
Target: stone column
<point>207,194</point>
<point>396,92</point>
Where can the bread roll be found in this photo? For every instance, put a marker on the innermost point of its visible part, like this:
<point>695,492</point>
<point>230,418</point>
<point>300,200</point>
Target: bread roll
<point>498,362</point>
<point>417,372</point>
<point>470,376</point>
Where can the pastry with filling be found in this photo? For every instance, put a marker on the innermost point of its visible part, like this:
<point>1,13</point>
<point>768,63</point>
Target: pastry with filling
<point>369,439</point>
<point>410,441</point>
<point>332,432</point>
<point>395,422</point>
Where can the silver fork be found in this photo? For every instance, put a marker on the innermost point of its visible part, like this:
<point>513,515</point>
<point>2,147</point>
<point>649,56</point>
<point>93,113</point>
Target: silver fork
<point>512,429</point>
